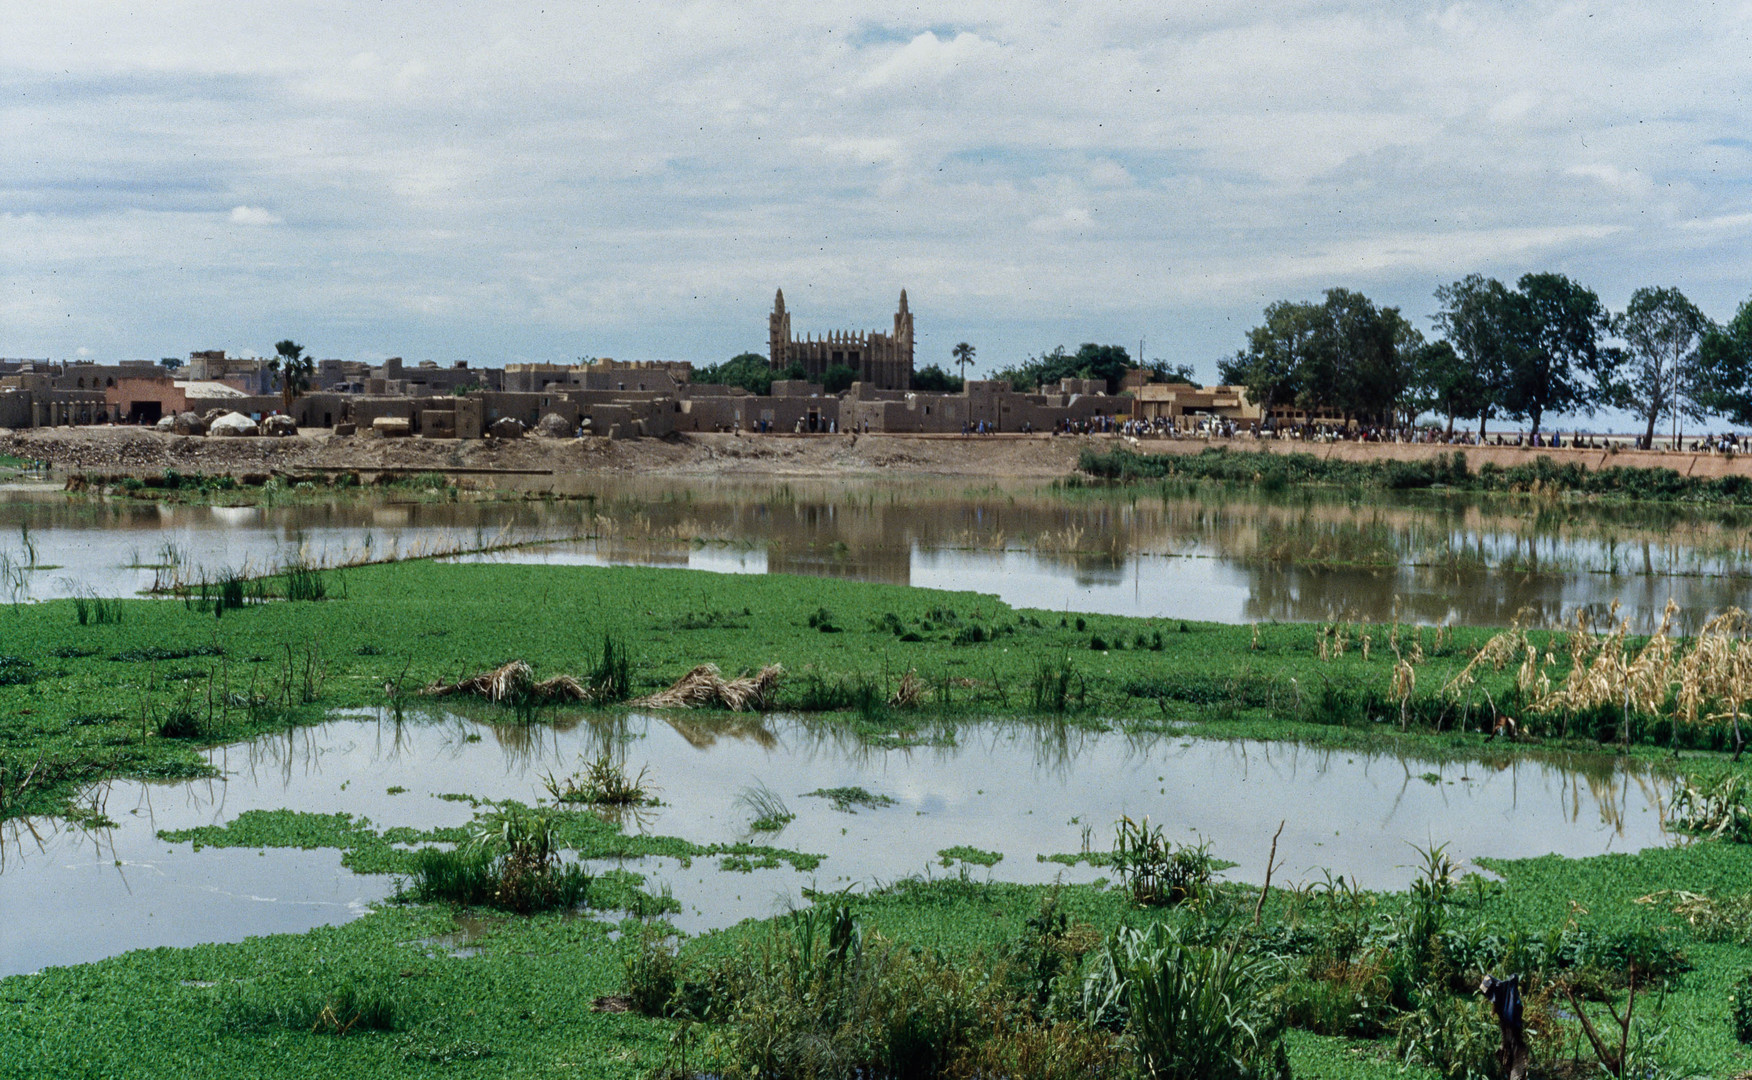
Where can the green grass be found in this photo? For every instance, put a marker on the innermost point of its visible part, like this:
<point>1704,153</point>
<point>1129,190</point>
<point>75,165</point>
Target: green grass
<point>522,1007</point>
<point>404,625</point>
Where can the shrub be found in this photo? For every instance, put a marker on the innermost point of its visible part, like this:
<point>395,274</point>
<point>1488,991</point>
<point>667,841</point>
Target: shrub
<point>512,863</point>
<point>1193,1012</point>
<point>1457,1037</point>
<point>1157,871</point>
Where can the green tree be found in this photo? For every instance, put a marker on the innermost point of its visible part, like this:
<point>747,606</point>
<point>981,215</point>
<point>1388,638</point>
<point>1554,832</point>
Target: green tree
<point>295,370</point>
<point>838,379</point>
<point>934,380</point>
<point>1556,364</point>
<point>963,354</point>
<point>1724,361</point>
<point>1662,331</point>
<point>1480,318</point>
<point>1276,359</point>
<point>750,371</point>
<point>1449,385</point>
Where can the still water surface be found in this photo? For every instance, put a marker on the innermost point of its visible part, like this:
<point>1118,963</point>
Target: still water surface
<point>1020,789</point>
<point>1181,553</point>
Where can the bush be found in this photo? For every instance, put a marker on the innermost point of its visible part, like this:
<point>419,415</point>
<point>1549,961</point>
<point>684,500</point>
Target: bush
<point>1457,1037</point>
<point>818,998</point>
<point>1192,1012</point>
<point>1058,686</point>
<point>513,863</point>
<point>1157,871</point>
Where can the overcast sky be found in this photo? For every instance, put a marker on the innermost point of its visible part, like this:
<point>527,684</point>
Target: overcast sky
<point>512,181</point>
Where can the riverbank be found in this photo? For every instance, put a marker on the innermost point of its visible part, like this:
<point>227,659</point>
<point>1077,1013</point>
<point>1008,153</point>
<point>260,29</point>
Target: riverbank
<point>123,451</point>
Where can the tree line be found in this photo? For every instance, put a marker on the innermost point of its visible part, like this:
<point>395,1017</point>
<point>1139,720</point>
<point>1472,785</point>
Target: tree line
<point>1546,346</point>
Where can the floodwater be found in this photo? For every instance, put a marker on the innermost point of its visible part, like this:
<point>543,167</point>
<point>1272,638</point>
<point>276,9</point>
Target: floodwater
<point>1170,552</point>
<point>1023,790</point>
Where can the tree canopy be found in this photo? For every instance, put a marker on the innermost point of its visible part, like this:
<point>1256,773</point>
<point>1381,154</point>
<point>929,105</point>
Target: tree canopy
<point>750,371</point>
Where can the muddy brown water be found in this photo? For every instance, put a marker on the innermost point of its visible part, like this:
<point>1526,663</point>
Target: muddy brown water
<point>1182,553</point>
<point>1022,790</point>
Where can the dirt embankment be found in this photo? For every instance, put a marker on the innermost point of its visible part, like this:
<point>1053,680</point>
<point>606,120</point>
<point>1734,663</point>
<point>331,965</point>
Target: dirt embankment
<point>138,452</point>
<point>121,451</point>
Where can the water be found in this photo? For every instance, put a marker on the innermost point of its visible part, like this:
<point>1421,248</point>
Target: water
<point>1175,554</point>
<point>1022,790</point>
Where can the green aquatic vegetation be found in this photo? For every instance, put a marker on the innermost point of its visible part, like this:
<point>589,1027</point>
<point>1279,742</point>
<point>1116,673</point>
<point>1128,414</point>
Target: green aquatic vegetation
<point>1719,810</point>
<point>970,856</point>
<point>1192,1011</point>
<point>366,850</point>
<point>847,800</point>
<point>603,782</point>
<point>1156,871</point>
<point>512,861</point>
<point>350,1009</point>
<point>768,811</point>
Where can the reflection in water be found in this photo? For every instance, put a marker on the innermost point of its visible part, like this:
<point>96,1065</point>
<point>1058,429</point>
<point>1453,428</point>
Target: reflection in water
<point>1022,789</point>
<point>1171,551</point>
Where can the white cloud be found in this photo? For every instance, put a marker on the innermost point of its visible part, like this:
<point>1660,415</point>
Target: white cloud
<point>254,215</point>
<point>483,179</point>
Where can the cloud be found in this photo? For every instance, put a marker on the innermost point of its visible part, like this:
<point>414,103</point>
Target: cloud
<point>484,179</point>
<point>254,215</point>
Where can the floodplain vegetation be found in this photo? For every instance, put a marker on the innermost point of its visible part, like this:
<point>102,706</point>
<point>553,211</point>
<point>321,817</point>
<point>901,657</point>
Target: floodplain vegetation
<point>1636,965</point>
<point>1541,476</point>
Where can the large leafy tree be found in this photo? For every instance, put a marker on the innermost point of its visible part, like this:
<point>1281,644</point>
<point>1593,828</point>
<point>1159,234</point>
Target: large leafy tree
<point>750,371</point>
<point>1277,357</point>
<point>1557,364</point>
<point>1480,318</point>
<point>933,379</point>
<point>1108,363</point>
<point>1343,355</point>
<point>294,369</point>
<point>1662,332</point>
<point>1724,362</point>
<point>1449,385</point>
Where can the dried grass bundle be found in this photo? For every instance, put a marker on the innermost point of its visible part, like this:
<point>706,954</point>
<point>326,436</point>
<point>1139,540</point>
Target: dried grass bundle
<point>513,683</point>
<point>510,682</point>
<point>706,687</point>
<point>910,692</point>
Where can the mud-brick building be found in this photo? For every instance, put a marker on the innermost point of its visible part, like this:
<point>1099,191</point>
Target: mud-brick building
<point>993,403</point>
<point>1175,403</point>
<point>885,361</point>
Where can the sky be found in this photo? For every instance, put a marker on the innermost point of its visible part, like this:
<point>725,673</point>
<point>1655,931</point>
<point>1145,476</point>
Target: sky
<point>509,181</point>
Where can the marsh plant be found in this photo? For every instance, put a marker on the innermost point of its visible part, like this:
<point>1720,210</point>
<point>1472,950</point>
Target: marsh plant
<point>512,862</point>
<point>1156,871</point>
<point>1191,1011</point>
<point>1722,809</point>
<point>603,782</point>
<point>349,1009</point>
<point>767,811</point>
<point>90,609</point>
<point>1058,686</point>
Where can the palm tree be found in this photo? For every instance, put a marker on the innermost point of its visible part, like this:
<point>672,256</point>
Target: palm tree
<point>294,369</point>
<point>963,354</point>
